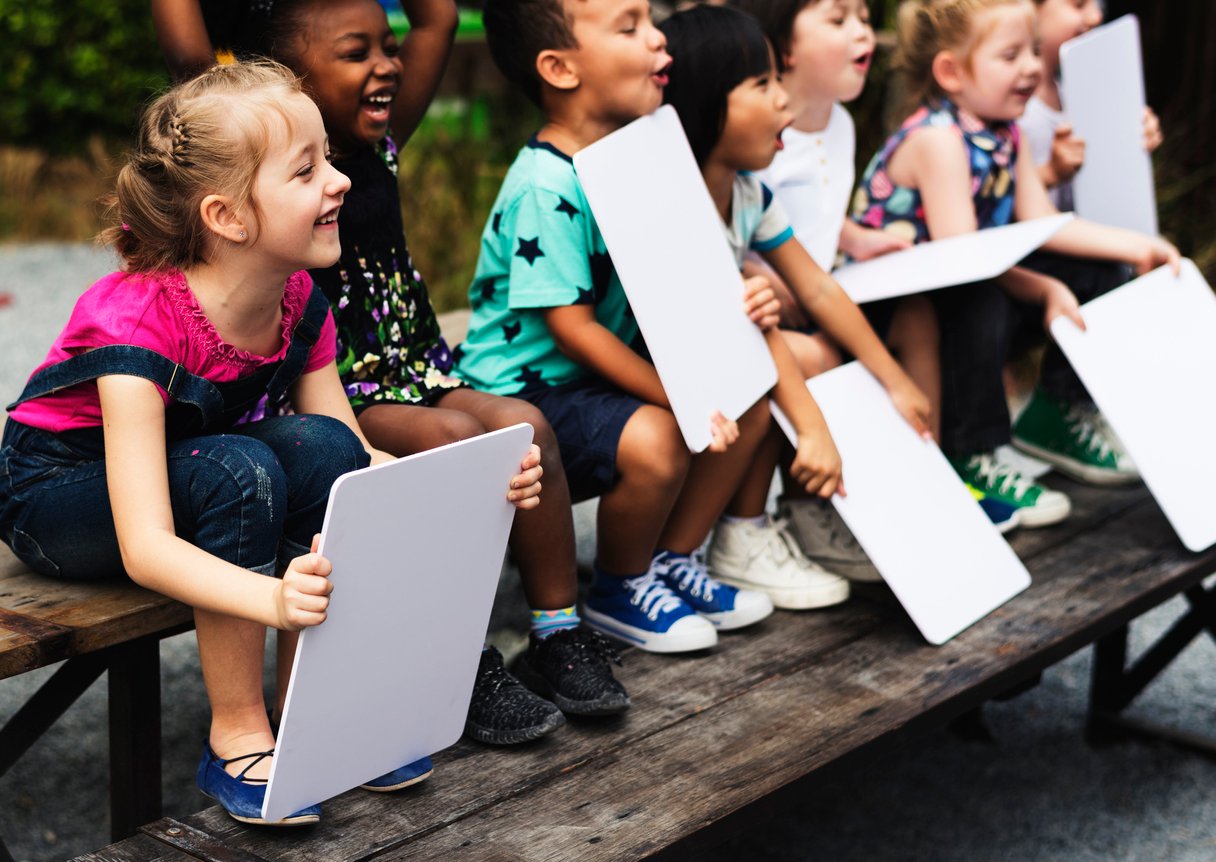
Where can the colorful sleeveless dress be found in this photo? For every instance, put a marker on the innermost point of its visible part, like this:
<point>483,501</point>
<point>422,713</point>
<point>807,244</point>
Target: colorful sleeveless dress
<point>390,349</point>
<point>992,149</point>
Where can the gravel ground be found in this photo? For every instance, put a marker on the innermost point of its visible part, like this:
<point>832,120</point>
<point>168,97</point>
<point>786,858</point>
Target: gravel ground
<point>1036,792</point>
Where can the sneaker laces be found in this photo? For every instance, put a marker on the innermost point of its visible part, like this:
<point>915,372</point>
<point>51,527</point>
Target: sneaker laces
<point>782,544</point>
<point>693,576</point>
<point>1005,478</point>
<point>492,675</point>
<point>652,595</point>
<point>1084,423</point>
<point>837,530</point>
<point>584,646</point>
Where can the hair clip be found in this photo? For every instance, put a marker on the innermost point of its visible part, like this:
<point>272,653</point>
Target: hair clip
<point>126,227</point>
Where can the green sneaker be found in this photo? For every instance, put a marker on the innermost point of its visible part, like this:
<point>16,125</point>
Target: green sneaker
<point>1074,439</point>
<point>1037,506</point>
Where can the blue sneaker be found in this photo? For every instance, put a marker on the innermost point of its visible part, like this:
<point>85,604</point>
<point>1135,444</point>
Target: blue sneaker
<point>242,797</point>
<point>1004,516</point>
<point>725,606</point>
<point>643,611</point>
<point>402,776</point>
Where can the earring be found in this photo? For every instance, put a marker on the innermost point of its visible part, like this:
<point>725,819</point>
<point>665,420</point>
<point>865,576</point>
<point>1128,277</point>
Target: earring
<point>242,234</point>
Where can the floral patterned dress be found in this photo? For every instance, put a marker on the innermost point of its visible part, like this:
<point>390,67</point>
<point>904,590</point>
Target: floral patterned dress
<point>390,349</point>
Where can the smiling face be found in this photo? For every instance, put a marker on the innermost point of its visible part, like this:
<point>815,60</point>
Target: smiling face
<point>348,59</point>
<point>1061,20</point>
<point>1003,69</point>
<point>756,115</point>
<point>297,194</point>
<point>831,46</point>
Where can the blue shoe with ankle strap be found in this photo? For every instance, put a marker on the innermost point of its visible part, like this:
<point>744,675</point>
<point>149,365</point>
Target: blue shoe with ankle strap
<point>242,797</point>
<point>402,776</point>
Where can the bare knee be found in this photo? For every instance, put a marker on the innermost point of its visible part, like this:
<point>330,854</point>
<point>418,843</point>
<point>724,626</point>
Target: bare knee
<point>652,449</point>
<point>755,421</point>
<point>914,325</point>
<point>815,354</point>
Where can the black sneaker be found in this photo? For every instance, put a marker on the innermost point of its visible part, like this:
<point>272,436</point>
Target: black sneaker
<point>504,712</point>
<point>571,668</point>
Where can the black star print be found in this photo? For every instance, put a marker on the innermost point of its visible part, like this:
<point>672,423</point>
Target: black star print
<point>511,330</point>
<point>528,377</point>
<point>496,222</point>
<point>568,208</point>
<point>457,353</point>
<point>601,274</point>
<point>529,249</point>
<point>585,297</point>
<point>487,290</point>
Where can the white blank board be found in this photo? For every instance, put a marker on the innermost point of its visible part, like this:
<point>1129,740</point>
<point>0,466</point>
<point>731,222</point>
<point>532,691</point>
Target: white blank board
<point>941,556</point>
<point>669,247</point>
<point>1148,358</point>
<point>1102,90</point>
<point>417,547</point>
<point>961,259</point>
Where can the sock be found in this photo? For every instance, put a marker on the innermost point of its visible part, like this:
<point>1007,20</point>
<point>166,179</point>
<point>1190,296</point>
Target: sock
<point>758,521</point>
<point>545,623</point>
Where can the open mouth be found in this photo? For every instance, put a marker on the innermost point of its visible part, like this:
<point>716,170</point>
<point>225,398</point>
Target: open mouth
<point>661,77</point>
<point>862,63</point>
<point>330,219</point>
<point>378,106</point>
<point>1024,93</point>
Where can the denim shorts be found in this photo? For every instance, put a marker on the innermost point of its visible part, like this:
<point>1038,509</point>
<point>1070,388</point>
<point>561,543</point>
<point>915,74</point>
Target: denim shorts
<point>588,417</point>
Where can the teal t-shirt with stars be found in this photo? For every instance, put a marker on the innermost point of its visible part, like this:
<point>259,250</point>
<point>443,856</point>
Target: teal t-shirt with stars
<point>541,248</point>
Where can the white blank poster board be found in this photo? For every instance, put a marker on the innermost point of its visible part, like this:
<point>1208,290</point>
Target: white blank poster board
<point>1148,358</point>
<point>417,546</point>
<point>669,247</point>
<point>1102,90</point>
<point>946,262</point>
<point>934,546</point>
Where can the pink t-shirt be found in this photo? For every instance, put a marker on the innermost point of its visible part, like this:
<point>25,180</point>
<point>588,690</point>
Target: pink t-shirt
<point>158,312</point>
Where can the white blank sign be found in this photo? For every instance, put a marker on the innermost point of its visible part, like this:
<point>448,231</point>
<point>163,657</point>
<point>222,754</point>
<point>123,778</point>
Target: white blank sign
<point>1102,90</point>
<point>933,545</point>
<point>962,259</point>
<point>1148,358</point>
<point>669,247</point>
<point>417,546</point>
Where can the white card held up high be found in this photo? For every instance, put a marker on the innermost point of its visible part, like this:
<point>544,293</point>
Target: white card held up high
<point>416,546</point>
<point>939,553</point>
<point>962,259</point>
<point>1102,90</point>
<point>669,247</point>
<point>1148,358</point>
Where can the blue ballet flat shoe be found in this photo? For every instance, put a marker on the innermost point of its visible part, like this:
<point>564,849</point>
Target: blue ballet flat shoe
<point>402,776</point>
<point>242,797</point>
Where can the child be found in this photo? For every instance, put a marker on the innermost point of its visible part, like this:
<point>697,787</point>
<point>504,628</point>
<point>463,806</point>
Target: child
<point>551,325</point>
<point>397,368</point>
<point>1057,152</point>
<point>728,94</point>
<point>210,325</point>
<point>954,166</point>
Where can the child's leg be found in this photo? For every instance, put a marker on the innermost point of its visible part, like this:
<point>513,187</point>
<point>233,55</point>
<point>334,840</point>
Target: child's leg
<point>914,338</point>
<point>230,652</point>
<point>815,353</point>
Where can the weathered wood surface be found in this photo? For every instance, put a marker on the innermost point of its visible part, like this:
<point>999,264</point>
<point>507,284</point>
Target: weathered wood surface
<point>138,849</point>
<point>768,709</point>
<point>43,620</point>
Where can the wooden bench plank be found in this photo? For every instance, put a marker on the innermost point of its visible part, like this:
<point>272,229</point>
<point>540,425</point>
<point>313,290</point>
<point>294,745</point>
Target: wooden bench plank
<point>138,849</point>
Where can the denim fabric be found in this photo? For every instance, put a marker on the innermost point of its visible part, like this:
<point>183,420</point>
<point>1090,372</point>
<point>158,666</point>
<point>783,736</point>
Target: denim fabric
<point>253,497</point>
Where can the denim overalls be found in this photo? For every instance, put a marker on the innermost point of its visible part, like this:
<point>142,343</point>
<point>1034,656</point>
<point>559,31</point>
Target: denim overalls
<point>252,494</point>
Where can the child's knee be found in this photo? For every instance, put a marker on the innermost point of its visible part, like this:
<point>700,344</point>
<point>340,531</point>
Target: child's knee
<point>756,420</point>
<point>451,426</point>
<point>325,442</point>
<point>652,449</point>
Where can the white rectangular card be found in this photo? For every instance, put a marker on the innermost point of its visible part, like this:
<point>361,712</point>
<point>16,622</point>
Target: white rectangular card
<point>1102,90</point>
<point>1148,358</point>
<point>962,259</point>
<point>669,247</point>
<point>932,543</point>
<point>416,546</point>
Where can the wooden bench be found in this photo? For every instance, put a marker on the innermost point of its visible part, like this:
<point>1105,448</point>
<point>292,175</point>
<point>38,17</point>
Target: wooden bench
<point>739,733</point>
<point>113,627</point>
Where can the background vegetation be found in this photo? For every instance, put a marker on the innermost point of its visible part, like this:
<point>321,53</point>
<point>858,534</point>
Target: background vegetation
<point>74,74</point>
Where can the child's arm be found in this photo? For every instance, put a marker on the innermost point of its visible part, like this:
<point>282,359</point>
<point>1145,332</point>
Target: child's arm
<point>155,557</point>
<point>816,464</point>
<point>830,307</point>
<point>583,339</point>
<point>183,37</point>
<point>424,56</point>
<point>865,243</point>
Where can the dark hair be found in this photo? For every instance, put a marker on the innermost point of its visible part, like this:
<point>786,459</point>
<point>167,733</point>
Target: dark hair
<point>777,19</point>
<point>715,49</point>
<point>518,30</point>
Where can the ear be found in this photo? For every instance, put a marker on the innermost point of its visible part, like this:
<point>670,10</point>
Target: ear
<point>557,69</point>
<point>221,218</point>
<point>948,72</point>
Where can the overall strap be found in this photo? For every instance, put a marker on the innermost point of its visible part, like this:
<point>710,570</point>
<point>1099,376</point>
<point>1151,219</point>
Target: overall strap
<point>303,337</point>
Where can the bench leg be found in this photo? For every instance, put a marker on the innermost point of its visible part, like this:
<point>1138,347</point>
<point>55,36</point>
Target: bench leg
<point>135,755</point>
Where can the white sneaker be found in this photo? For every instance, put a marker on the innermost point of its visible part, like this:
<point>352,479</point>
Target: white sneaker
<point>826,539</point>
<point>766,558</point>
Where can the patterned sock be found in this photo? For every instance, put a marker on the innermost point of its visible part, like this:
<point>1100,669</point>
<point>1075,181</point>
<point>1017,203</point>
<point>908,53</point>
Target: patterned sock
<point>545,623</point>
<point>758,521</point>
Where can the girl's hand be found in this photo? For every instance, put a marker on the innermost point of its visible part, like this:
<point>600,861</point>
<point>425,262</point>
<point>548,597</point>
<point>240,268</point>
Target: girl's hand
<point>1059,300</point>
<point>723,432</point>
<point>1067,155</point>
<point>1152,130</point>
<point>1155,252</point>
<point>302,596</point>
<point>816,465</point>
<point>761,303</point>
<point>525,485</point>
<point>869,243</point>
<point>913,405</point>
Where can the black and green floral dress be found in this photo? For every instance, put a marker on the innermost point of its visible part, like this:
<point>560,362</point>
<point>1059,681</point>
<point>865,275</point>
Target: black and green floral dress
<point>390,349</point>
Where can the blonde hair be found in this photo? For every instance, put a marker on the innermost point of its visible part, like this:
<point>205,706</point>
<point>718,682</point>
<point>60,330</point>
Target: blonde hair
<point>205,136</point>
<point>925,29</point>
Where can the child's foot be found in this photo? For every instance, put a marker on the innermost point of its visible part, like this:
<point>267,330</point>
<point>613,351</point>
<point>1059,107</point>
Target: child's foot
<point>242,796</point>
<point>645,612</point>
<point>1003,516</point>
<point>723,605</point>
<point>503,711</point>
<point>573,668</point>
<point>826,539</point>
<point>1074,439</point>
<point>766,558</point>
<point>1037,506</point>
<point>401,777</point>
